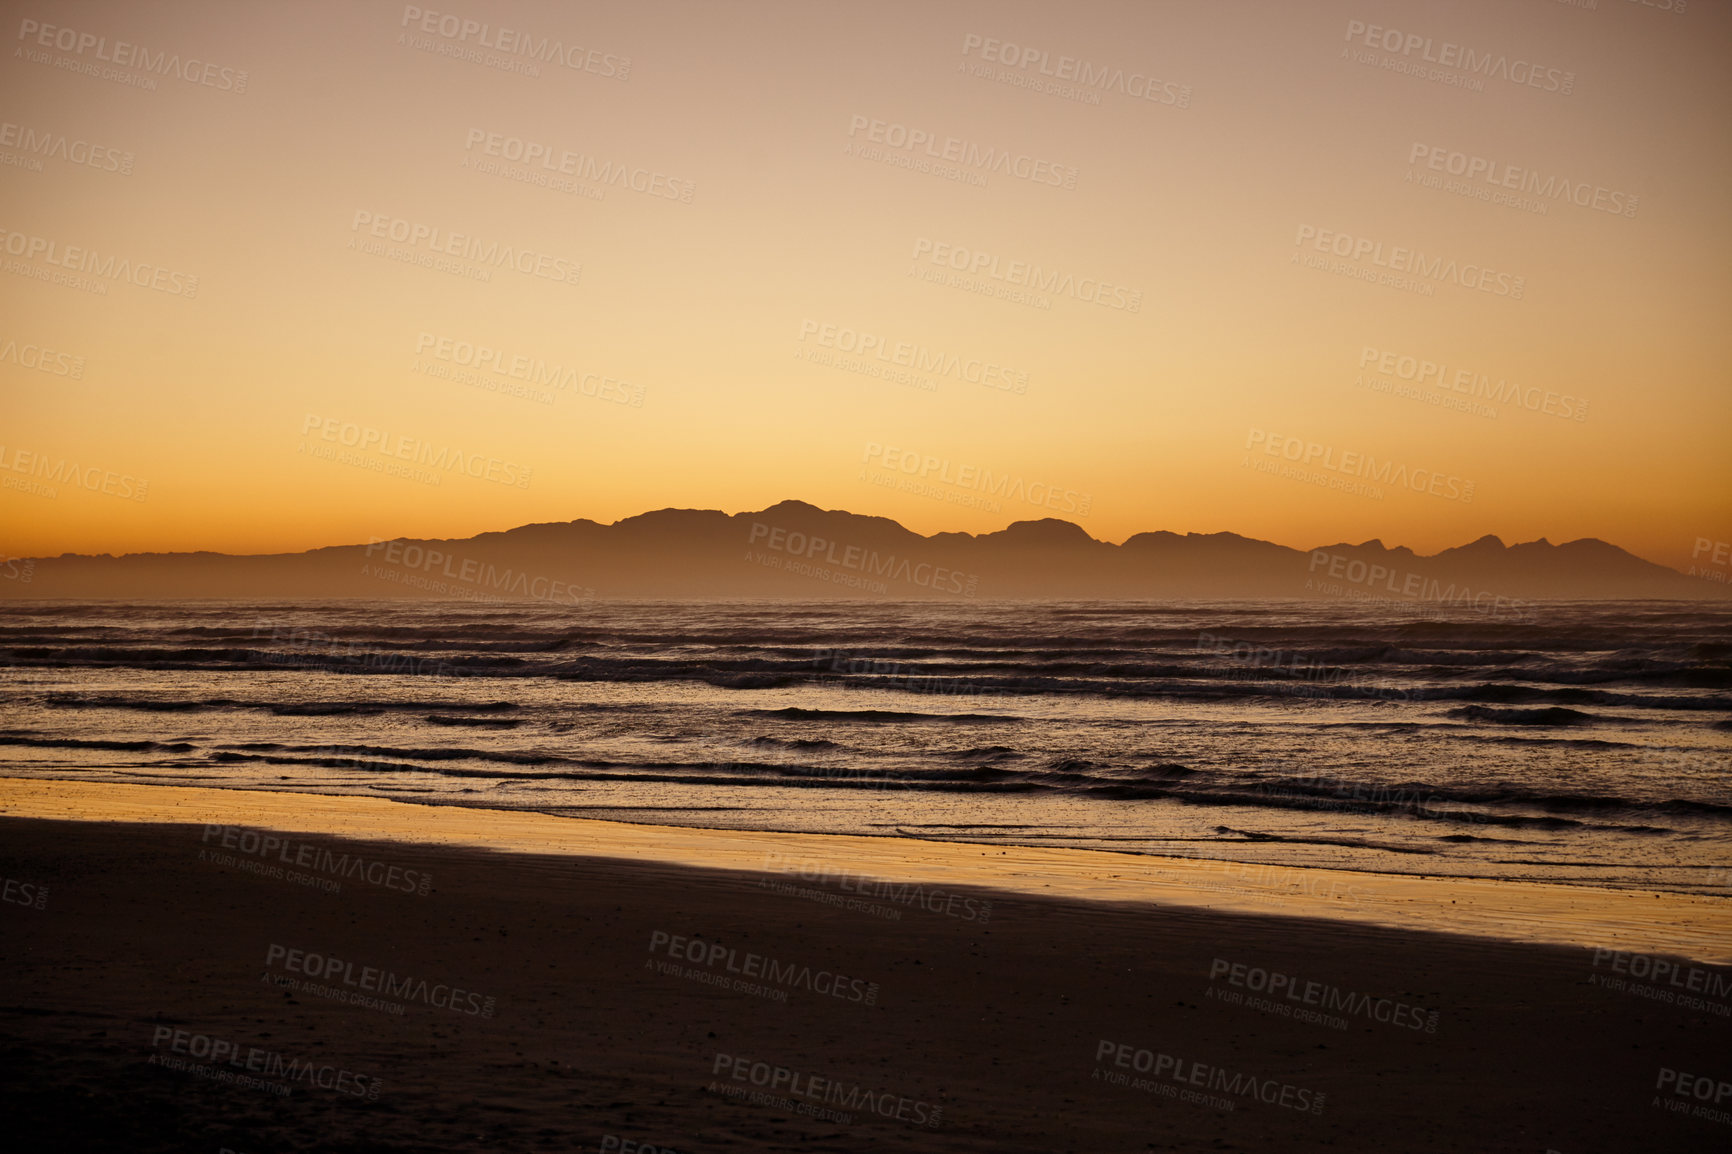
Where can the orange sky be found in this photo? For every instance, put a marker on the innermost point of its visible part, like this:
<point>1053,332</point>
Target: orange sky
<point>1267,267</point>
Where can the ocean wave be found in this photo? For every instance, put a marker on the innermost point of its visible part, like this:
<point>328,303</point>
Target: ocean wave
<point>794,742</point>
<point>475,722</point>
<point>1553,715</point>
<point>795,713</point>
<point>277,708</point>
<point>96,743</point>
<point>1371,673</point>
<point>985,753</point>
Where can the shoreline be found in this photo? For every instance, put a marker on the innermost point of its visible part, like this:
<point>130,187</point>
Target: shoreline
<point>1629,921</point>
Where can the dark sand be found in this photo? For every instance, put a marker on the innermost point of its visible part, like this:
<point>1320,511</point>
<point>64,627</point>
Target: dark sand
<point>998,1022</point>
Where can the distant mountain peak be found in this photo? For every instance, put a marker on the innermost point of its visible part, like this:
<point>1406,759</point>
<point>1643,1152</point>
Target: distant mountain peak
<point>1045,531</point>
<point>793,505</point>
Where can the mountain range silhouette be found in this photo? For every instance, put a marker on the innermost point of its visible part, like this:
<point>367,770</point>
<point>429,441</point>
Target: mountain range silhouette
<point>797,551</point>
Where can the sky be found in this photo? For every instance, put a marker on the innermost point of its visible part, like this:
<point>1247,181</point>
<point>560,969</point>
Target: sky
<point>281,276</point>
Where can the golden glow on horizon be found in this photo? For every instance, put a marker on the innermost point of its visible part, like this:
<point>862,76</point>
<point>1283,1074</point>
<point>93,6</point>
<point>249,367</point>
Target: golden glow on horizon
<point>711,313</point>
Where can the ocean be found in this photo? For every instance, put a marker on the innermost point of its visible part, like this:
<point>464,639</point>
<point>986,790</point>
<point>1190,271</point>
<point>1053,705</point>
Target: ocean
<point>1573,742</point>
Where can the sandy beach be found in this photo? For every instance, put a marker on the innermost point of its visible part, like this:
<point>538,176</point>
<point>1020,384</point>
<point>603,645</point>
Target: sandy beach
<point>211,969</point>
